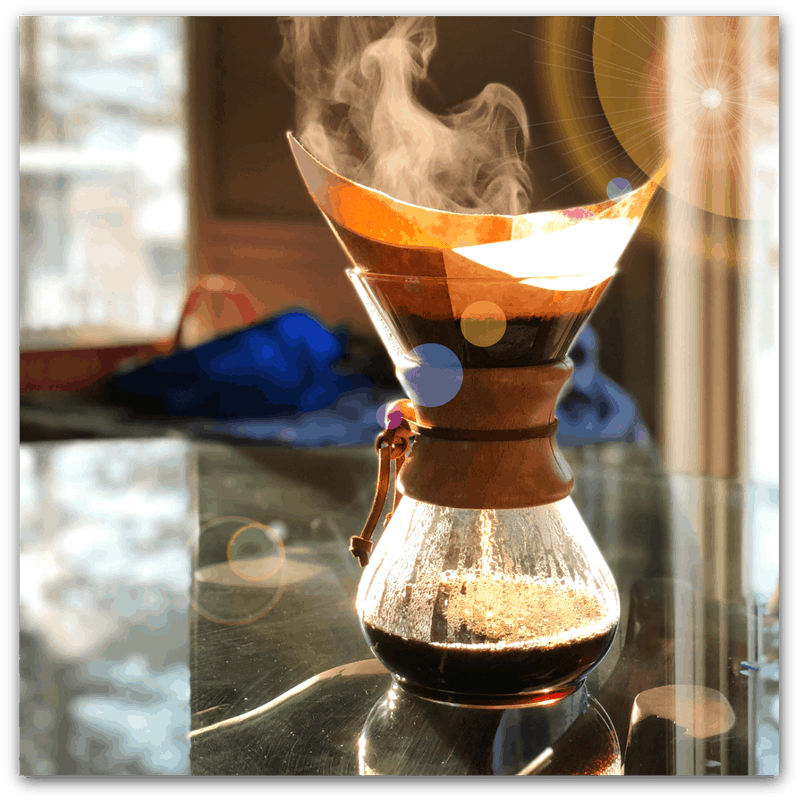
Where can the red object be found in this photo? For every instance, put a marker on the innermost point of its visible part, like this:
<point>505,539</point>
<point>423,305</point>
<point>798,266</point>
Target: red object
<point>200,301</point>
<point>73,370</point>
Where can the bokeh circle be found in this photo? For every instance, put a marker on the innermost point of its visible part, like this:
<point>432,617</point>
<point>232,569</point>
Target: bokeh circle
<point>388,416</point>
<point>483,323</point>
<point>617,188</point>
<point>434,377</point>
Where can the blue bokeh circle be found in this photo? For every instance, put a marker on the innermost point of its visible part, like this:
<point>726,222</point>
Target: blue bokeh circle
<point>617,188</point>
<point>435,377</point>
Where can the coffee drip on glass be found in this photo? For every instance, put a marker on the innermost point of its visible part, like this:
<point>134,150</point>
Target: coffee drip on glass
<point>485,588</point>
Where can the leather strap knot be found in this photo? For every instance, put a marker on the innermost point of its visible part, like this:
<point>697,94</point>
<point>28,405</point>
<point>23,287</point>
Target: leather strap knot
<point>391,445</point>
<point>394,442</point>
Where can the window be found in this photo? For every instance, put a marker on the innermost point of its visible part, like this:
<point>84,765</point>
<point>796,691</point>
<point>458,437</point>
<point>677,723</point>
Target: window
<point>103,195</point>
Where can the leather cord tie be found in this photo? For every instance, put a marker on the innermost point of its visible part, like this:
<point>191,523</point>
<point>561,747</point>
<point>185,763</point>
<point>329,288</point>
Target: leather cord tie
<point>393,444</point>
<point>505,435</point>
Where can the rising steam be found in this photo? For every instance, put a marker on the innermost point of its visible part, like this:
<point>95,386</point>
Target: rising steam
<point>358,112</point>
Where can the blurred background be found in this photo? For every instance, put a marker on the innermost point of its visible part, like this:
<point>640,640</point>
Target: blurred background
<point>167,243</point>
<point>156,188</point>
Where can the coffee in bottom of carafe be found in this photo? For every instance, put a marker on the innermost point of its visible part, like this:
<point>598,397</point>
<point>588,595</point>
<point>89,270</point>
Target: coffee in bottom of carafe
<point>535,639</point>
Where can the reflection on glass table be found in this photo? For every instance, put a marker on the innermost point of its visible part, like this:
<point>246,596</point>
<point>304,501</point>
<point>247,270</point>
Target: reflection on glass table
<point>295,690</point>
<point>362,722</point>
<point>149,567</point>
<point>105,570</point>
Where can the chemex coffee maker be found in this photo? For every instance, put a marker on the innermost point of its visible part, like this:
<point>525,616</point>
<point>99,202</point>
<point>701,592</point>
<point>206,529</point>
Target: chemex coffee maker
<point>486,588</point>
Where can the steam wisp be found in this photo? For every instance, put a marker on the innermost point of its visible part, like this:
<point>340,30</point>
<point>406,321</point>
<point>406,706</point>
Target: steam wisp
<point>357,81</point>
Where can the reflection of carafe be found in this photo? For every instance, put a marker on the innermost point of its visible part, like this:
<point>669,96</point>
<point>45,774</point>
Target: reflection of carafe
<point>405,735</point>
<point>486,588</point>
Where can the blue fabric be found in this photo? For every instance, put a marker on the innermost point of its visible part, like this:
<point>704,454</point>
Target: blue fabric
<point>595,409</point>
<point>278,382</point>
<point>281,366</point>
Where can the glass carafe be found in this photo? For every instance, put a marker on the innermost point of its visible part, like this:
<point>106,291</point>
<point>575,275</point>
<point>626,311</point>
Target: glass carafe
<point>486,588</point>
<point>480,606</point>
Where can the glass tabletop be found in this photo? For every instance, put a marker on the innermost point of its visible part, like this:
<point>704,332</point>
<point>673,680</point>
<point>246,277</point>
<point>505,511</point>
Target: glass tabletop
<point>280,678</point>
<point>292,688</point>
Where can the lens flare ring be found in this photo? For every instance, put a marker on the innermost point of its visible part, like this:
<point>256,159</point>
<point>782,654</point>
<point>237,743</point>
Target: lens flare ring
<point>234,596</point>
<point>235,545</point>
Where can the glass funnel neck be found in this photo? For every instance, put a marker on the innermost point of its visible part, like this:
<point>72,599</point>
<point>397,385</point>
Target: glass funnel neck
<point>488,323</point>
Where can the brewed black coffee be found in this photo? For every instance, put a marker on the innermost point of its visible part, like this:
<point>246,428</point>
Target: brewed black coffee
<point>525,342</point>
<point>492,636</point>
